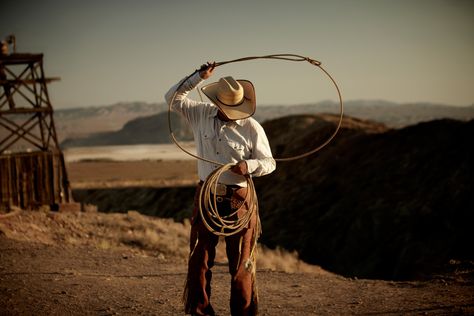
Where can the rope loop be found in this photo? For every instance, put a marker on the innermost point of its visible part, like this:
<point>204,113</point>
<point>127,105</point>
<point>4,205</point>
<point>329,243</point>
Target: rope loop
<point>288,57</point>
<point>313,61</point>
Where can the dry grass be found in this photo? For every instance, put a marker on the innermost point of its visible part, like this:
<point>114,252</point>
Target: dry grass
<point>133,231</point>
<point>282,260</point>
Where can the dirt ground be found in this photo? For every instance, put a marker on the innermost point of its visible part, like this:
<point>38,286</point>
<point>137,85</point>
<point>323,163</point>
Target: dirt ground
<point>92,263</point>
<point>119,174</point>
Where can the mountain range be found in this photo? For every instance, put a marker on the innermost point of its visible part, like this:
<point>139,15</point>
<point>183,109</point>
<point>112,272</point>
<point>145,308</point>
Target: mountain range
<point>138,123</point>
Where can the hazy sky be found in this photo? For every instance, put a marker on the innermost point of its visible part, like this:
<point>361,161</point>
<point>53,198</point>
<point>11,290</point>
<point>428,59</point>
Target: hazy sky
<point>120,51</point>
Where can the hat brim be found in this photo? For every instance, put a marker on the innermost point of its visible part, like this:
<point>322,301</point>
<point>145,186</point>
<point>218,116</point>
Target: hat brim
<point>237,112</point>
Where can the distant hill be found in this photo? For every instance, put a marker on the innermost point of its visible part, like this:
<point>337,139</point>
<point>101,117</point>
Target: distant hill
<point>143,130</point>
<point>377,202</point>
<point>84,121</point>
<point>393,115</point>
<point>92,126</point>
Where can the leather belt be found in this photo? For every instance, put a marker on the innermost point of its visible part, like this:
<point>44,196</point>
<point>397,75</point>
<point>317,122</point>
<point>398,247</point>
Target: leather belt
<point>223,189</point>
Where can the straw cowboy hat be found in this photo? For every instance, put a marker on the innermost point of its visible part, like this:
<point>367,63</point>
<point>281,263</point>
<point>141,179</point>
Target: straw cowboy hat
<point>235,98</point>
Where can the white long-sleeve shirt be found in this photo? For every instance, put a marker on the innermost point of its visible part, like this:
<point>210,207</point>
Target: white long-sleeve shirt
<point>224,142</point>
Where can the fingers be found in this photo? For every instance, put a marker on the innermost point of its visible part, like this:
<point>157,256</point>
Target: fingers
<point>240,168</point>
<point>208,66</point>
<point>207,69</point>
<point>213,65</point>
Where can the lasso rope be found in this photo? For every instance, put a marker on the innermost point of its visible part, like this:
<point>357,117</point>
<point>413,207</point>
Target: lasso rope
<point>225,225</point>
<point>287,57</point>
<point>222,225</point>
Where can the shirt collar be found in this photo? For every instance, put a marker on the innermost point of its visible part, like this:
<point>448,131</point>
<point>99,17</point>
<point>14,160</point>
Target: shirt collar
<point>240,122</point>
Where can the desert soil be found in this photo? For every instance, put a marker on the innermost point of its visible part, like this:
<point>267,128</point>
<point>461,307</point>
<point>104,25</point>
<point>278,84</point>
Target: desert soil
<point>91,263</point>
<point>50,280</point>
<point>120,174</point>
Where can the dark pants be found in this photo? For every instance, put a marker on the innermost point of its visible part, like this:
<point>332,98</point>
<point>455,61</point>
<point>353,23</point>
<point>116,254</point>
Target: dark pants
<point>243,298</point>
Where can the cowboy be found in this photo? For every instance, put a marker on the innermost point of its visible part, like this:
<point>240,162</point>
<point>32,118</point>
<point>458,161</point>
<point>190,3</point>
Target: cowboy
<point>224,132</point>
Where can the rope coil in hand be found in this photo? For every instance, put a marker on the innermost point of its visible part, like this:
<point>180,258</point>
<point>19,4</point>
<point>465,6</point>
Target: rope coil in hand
<point>208,202</point>
<point>225,225</point>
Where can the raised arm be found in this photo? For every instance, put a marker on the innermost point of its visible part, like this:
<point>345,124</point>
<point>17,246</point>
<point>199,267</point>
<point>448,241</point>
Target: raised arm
<point>181,102</point>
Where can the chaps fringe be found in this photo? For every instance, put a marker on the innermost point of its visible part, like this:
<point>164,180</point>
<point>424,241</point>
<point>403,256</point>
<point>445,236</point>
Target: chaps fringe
<point>185,298</point>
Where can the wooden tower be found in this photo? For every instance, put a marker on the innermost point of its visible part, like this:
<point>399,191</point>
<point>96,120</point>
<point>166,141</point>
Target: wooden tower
<point>32,167</point>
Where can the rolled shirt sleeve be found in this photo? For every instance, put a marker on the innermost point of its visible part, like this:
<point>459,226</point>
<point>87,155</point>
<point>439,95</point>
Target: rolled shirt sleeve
<point>261,162</point>
<point>181,102</point>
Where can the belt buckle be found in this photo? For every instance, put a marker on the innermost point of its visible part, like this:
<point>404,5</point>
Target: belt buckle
<point>220,189</point>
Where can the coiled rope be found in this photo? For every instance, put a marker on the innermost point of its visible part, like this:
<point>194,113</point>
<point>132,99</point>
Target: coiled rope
<point>223,226</point>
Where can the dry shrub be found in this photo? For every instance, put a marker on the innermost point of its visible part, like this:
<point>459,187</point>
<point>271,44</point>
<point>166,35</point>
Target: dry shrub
<point>273,259</point>
<point>283,260</point>
<point>163,238</point>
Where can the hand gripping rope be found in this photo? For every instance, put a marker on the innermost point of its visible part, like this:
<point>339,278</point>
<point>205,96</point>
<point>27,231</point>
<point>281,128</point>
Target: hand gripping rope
<point>208,202</point>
